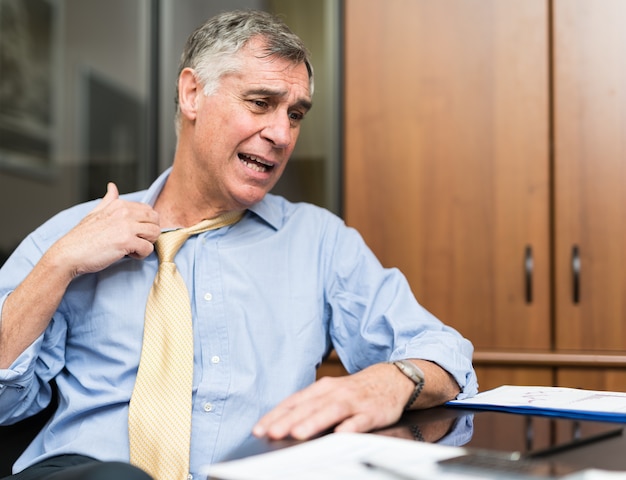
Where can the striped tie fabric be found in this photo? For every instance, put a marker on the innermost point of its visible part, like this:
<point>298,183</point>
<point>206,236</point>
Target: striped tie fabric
<point>159,417</point>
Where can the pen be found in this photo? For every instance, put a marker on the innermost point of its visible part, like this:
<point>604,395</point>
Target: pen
<point>389,471</point>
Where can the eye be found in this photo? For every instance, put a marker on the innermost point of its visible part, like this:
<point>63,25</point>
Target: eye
<point>296,117</point>
<point>259,104</point>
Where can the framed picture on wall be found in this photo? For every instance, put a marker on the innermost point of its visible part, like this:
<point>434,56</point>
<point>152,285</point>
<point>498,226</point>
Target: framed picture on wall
<point>28,53</point>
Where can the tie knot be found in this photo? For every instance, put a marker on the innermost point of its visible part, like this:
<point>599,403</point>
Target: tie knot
<point>170,242</point>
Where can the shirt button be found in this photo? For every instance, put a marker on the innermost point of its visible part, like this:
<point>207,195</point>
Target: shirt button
<point>215,359</point>
<point>208,297</point>
<point>190,477</point>
<point>208,407</point>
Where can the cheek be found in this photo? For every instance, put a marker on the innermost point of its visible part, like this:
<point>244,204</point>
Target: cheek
<point>216,137</point>
<point>230,132</point>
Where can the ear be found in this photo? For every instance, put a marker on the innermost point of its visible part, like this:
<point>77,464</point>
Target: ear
<point>188,92</point>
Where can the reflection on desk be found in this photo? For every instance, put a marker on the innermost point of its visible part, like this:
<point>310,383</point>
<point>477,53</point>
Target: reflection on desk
<point>433,428</point>
<point>575,443</point>
<point>589,444</point>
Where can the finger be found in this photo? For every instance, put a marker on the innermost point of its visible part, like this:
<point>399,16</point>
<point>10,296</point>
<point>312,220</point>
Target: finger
<point>323,418</point>
<point>305,414</point>
<point>345,414</point>
<point>144,244</point>
<point>307,394</point>
<point>111,195</point>
<point>279,414</point>
<point>141,250</point>
<point>297,423</point>
<point>149,231</point>
<point>357,423</point>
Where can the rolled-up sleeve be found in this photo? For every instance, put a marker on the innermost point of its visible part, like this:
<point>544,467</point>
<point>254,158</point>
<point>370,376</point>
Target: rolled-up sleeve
<point>24,386</point>
<point>375,317</point>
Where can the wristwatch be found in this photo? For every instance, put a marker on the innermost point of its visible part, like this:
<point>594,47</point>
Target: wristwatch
<point>415,374</point>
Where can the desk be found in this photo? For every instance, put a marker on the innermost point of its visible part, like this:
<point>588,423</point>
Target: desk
<point>576,442</point>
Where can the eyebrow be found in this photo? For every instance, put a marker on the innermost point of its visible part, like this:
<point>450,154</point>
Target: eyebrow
<point>268,92</point>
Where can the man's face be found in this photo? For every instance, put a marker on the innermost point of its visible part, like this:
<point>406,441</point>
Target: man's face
<point>246,131</point>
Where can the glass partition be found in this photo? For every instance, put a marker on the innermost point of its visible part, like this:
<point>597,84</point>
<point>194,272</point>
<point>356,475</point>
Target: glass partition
<point>87,97</point>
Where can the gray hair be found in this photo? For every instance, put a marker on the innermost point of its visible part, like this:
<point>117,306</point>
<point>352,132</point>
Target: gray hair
<point>211,49</point>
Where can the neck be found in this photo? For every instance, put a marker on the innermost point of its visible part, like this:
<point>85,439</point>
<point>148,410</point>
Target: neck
<point>181,208</point>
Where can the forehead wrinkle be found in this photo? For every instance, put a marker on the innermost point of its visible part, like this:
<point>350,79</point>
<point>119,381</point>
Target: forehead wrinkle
<point>269,92</point>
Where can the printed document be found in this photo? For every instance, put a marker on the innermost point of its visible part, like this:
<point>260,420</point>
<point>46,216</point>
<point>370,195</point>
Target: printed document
<point>554,401</point>
<point>341,456</point>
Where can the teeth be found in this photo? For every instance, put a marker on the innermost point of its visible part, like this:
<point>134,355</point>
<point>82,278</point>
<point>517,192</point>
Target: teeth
<point>255,167</point>
<point>256,159</point>
<point>255,163</point>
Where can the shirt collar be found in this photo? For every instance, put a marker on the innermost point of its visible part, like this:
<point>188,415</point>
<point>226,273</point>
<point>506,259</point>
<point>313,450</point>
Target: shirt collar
<point>269,210</point>
<point>155,189</point>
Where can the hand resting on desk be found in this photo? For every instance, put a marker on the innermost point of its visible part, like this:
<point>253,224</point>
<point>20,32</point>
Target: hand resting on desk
<point>372,398</point>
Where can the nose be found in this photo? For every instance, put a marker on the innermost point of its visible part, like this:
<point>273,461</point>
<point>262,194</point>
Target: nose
<point>278,130</point>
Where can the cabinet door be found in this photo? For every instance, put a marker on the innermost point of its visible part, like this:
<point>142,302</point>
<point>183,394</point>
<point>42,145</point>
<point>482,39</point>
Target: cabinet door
<point>612,379</point>
<point>590,173</point>
<point>446,156</point>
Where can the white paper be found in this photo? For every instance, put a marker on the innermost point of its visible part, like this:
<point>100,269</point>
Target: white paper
<point>340,456</point>
<point>594,474</point>
<point>550,398</point>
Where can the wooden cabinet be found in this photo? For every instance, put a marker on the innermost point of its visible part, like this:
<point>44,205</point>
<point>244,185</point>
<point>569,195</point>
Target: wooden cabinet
<point>590,173</point>
<point>485,156</point>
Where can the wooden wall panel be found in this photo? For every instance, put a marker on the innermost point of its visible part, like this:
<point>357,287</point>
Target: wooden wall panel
<point>446,156</point>
<point>492,377</point>
<point>613,379</point>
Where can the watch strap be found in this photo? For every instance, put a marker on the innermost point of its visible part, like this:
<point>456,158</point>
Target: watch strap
<point>415,374</point>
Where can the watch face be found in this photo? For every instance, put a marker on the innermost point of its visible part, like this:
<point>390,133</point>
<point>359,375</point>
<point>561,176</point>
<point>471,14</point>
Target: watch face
<point>410,370</point>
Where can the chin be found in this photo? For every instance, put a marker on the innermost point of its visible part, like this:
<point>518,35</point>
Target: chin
<point>249,198</point>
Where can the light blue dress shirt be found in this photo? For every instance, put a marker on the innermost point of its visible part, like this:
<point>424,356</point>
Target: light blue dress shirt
<point>270,296</point>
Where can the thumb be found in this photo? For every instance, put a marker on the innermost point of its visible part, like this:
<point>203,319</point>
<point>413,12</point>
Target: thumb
<point>111,195</point>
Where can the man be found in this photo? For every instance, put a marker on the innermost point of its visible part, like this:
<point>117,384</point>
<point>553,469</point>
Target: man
<point>271,292</point>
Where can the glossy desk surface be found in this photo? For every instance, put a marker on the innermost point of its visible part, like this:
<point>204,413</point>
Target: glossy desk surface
<point>583,443</point>
<point>579,443</point>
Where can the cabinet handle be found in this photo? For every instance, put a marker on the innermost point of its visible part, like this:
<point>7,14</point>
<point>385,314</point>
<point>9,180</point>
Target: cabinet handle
<point>575,274</point>
<point>528,269</point>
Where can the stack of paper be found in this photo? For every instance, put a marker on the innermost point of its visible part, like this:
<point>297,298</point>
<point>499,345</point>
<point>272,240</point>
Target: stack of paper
<point>553,401</point>
<point>342,456</point>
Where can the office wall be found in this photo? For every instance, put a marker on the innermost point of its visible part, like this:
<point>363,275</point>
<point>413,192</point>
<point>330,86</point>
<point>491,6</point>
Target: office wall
<point>104,43</point>
<point>101,89</point>
<point>83,43</point>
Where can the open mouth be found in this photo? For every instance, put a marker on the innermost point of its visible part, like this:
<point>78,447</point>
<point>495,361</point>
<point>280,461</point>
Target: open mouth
<point>255,163</point>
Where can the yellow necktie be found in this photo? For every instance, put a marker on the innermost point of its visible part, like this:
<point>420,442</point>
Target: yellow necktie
<point>159,416</point>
